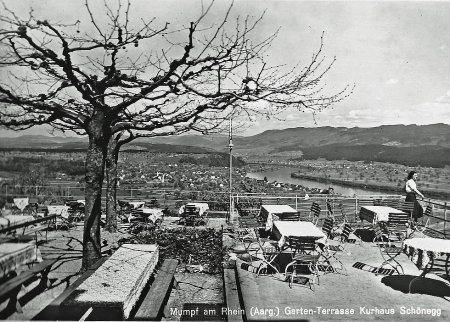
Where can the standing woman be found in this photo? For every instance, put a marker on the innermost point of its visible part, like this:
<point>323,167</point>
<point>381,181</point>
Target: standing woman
<point>411,192</point>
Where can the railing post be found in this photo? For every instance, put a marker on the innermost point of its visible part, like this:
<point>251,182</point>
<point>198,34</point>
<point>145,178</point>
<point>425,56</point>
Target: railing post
<point>296,202</point>
<point>445,216</point>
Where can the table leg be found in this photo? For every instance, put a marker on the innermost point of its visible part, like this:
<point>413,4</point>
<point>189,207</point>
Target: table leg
<point>426,270</point>
<point>447,267</point>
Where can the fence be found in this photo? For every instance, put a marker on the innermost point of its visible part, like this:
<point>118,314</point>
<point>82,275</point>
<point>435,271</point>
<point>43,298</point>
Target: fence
<point>219,200</point>
<point>249,204</point>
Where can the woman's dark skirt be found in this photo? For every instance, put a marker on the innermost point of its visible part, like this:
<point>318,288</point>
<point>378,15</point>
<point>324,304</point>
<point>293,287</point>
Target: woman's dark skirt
<point>418,210</point>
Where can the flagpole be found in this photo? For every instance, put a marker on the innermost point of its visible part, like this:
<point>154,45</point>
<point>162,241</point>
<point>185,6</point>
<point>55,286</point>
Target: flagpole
<point>231,169</point>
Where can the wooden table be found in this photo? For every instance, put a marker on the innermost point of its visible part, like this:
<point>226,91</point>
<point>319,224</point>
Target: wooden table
<point>13,255</point>
<point>25,224</point>
<point>12,220</point>
<point>424,251</point>
<point>307,229</point>
<point>374,214</point>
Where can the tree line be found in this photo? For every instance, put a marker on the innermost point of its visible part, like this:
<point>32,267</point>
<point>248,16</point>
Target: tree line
<point>51,166</point>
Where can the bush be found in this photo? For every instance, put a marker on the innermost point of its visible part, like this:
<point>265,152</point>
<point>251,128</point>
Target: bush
<point>189,245</point>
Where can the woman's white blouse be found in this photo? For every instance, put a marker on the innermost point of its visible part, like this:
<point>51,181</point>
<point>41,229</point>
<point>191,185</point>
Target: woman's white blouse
<point>410,185</point>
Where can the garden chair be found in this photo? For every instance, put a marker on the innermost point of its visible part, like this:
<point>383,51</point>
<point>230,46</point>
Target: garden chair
<point>344,239</point>
<point>76,211</point>
<point>334,249</point>
<point>422,225</point>
<point>262,253</point>
<point>388,250</point>
<point>398,226</point>
<point>341,216</point>
<point>314,213</point>
<point>304,260</point>
<point>327,228</point>
<point>249,222</point>
<point>289,216</point>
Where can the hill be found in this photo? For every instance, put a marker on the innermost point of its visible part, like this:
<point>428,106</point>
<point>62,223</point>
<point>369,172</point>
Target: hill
<point>426,145</point>
<point>424,155</point>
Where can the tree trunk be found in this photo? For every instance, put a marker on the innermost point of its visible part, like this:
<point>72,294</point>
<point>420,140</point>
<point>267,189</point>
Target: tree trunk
<point>93,191</point>
<point>112,155</point>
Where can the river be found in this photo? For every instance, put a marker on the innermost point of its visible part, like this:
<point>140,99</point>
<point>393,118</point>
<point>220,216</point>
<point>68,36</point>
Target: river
<point>283,174</point>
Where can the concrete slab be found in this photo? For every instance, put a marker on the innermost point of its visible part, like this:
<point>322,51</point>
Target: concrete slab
<point>114,288</point>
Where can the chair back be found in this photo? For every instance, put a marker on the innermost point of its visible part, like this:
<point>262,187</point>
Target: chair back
<point>316,209</point>
<point>327,226</point>
<point>428,210</point>
<point>289,216</point>
<point>380,236</point>
<point>346,230</point>
<point>248,222</point>
<point>301,244</point>
<point>398,219</point>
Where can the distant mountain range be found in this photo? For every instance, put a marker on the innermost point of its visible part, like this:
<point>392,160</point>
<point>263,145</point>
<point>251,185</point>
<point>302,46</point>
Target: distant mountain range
<point>426,145</point>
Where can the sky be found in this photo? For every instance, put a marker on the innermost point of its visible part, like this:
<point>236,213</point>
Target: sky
<point>396,53</point>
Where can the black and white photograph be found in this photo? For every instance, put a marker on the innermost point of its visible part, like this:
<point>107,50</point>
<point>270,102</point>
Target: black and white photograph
<point>220,160</point>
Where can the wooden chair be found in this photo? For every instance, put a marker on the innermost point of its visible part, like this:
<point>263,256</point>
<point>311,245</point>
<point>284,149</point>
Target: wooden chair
<point>290,216</point>
<point>398,226</point>
<point>422,226</point>
<point>327,228</point>
<point>388,250</point>
<point>314,213</point>
<point>262,253</point>
<point>304,260</point>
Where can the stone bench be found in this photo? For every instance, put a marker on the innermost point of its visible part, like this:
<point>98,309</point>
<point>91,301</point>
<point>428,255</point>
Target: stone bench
<point>112,291</point>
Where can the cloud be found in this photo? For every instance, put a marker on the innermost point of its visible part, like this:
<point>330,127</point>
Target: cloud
<point>392,81</point>
<point>444,99</point>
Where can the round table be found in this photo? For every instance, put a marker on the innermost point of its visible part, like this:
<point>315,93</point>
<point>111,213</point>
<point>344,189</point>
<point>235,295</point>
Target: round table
<point>423,251</point>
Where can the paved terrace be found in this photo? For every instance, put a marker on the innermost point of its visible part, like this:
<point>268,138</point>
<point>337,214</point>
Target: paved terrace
<point>265,298</point>
<point>370,296</point>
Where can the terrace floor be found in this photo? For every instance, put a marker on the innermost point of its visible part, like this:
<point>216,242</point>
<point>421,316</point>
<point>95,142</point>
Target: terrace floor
<point>266,298</point>
<point>368,295</point>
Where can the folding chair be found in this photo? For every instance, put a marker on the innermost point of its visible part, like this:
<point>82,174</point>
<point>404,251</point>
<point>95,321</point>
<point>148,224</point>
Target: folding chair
<point>333,252</point>
<point>421,226</point>
<point>339,218</point>
<point>247,233</point>
<point>75,211</point>
<point>344,238</point>
<point>249,222</point>
<point>304,260</point>
<point>398,226</point>
<point>289,216</point>
<point>314,213</point>
<point>327,228</point>
<point>389,250</point>
<point>262,254</point>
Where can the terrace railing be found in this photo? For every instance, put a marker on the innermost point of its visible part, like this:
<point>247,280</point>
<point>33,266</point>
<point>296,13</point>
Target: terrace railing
<point>249,203</point>
<point>439,219</point>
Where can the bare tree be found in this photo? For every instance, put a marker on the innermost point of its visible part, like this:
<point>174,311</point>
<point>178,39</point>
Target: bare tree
<point>115,80</point>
